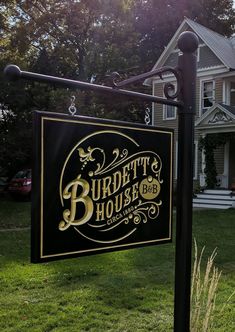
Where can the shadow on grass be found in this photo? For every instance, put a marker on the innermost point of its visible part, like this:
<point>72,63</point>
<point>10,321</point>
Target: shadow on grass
<point>121,269</point>
<point>103,289</point>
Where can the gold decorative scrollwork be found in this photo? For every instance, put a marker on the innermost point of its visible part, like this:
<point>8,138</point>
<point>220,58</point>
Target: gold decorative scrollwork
<point>85,157</point>
<point>157,167</point>
<point>143,212</point>
<point>119,157</point>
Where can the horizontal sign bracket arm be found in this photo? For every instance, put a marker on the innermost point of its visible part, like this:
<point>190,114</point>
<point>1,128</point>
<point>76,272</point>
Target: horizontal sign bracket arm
<point>170,90</point>
<point>156,72</point>
<point>13,72</point>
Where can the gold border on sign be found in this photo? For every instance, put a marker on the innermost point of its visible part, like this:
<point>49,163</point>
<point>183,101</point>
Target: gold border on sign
<point>42,187</point>
<point>127,245</point>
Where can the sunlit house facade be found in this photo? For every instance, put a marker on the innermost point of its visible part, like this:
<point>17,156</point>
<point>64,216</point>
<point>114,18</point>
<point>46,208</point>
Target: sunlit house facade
<point>215,101</point>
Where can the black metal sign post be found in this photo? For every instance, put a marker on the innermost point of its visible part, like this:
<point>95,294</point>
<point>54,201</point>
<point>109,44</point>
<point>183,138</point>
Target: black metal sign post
<point>188,43</point>
<point>185,75</point>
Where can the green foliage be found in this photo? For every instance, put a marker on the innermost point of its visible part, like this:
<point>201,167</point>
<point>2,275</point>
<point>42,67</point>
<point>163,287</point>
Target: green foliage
<point>217,16</point>
<point>79,39</point>
<point>157,21</point>
<point>210,169</point>
<point>209,143</point>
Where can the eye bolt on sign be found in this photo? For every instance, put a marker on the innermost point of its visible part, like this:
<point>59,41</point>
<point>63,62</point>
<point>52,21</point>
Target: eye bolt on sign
<point>99,186</point>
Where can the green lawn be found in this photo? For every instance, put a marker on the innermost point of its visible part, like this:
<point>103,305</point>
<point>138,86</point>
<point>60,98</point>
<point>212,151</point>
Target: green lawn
<point>123,291</point>
<point>14,214</point>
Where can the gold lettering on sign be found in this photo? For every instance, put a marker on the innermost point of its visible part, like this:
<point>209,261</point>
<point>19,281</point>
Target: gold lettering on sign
<point>109,185</point>
<point>120,189</point>
<point>105,210</point>
<point>149,188</point>
<point>70,192</point>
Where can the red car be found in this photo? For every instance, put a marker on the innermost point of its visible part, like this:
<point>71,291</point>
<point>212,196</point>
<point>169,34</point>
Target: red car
<point>20,184</point>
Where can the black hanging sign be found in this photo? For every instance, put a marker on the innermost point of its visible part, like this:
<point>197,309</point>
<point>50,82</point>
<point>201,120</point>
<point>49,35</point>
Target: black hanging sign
<point>99,186</point>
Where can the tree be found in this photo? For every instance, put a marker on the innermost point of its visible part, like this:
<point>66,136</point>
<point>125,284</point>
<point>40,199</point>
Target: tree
<point>157,21</point>
<point>62,39</point>
<point>215,15</point>
<point>80,39</point>
<point>55,25</point>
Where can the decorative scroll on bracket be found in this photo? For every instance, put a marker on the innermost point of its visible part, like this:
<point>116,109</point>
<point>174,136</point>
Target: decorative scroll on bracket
<point>170,90</point>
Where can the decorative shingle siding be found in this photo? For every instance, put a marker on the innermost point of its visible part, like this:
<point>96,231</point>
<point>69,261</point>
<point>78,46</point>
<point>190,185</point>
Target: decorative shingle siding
<point>172,60</point>
<point>207,58</point>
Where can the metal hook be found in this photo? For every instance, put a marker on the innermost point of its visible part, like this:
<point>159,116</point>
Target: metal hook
<point>147,116</point>
<point>72,108</point>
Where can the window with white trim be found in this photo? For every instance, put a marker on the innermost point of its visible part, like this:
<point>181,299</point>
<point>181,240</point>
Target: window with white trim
<point>207,95</point>
<point>169,112</point>
<point>232,93</point>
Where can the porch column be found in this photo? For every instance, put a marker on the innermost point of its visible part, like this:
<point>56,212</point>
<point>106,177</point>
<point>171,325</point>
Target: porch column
<point>226,164</point>
<point>202,178</point>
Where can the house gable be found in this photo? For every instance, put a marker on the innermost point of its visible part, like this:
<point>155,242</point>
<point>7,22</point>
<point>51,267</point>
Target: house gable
<point>217,119</point>
<point>206,58</point>
<point>216,50</point>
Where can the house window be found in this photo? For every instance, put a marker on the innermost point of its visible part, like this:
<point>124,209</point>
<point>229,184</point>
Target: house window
<point>208,95</point>
<point>169,112</point>
<point>232,93</point>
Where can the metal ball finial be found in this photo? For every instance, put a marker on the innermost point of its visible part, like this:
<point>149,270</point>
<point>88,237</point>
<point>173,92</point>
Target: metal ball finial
<point>12,72</point>
<point>188,42</point>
